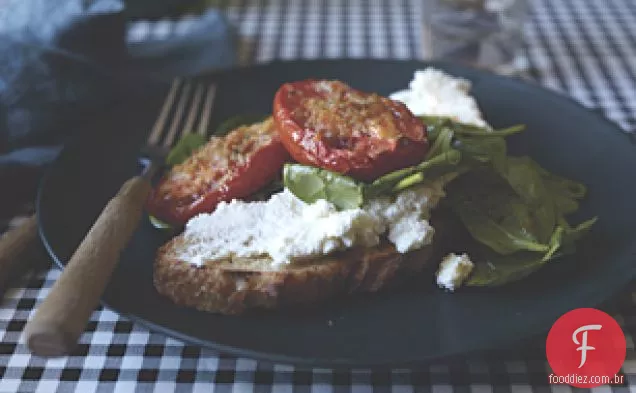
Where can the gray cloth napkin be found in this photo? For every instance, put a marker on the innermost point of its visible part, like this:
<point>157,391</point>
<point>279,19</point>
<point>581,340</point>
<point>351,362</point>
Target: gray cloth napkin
<point>63,60</point>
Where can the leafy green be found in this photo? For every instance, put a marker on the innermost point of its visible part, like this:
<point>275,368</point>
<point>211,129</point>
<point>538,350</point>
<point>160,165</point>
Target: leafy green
<point>494,269</point>
<point>503,239</point>
<point>237,121</point>
<point>187,145</point>
<point>442,143</point>
<point>515,217</point>
<point>431,169</point>
<point>435,123</point>
<point>311,184</point>
<point>512,209</point>
<point>157,223</point>
<point>482,150</point>
<point>522,176</point>
<point>493,213</point>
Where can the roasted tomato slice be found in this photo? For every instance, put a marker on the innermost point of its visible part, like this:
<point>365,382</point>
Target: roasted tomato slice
<point>233,166</point>
<point>333,126</point>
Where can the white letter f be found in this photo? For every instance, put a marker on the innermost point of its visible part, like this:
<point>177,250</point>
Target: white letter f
<point>584,347</point>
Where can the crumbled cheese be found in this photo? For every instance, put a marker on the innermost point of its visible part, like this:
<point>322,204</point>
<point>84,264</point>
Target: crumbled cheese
<point>435,93</point>
<point>286,228</point>
<point>405,219</point>
<point>453,271</point>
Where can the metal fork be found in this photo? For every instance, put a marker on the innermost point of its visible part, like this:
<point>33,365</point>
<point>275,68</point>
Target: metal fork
<point>158,147</point>
<point>63,315</point>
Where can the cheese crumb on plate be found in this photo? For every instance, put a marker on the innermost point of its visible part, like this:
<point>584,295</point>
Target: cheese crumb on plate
<point>453,271</point>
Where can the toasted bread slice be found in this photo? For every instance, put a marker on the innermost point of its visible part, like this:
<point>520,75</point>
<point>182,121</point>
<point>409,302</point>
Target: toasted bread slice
<point>232,287</point>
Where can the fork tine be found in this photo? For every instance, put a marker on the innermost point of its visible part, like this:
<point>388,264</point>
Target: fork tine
<point>194,110</point>
<point>172,133</point>
<point>207,110</point>
<point>155,134</point>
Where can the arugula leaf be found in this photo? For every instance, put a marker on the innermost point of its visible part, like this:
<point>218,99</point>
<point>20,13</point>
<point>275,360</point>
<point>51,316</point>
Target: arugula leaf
<point>492,269</point>
<point>442,143</point>
<point>522,176</point>
<point>563,204</point>
<point>515,218</point>
<point>435,123</point>
<point>503,239</point>
<point>399,180</point>
<point>187,145</point>
<point>572,235</point>
<point>495,270</point>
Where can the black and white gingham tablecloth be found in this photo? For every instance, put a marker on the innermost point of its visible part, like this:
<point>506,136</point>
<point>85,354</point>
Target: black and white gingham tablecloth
<point>584,48</point>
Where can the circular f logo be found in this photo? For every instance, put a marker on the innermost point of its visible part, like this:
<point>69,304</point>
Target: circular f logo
<point>587,345</point>
<point>584,347</point>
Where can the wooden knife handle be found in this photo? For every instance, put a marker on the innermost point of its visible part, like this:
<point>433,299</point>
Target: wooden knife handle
<point>14,247</point>
<point>63,315</point>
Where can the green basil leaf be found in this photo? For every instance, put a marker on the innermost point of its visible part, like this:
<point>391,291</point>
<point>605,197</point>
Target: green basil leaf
<point>186,146</point>
<point>157,223</point>
<point>310,184</point>
<point>343,191</point>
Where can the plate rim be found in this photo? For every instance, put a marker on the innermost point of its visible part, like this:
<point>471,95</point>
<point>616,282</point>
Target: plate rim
<point>346,363</point>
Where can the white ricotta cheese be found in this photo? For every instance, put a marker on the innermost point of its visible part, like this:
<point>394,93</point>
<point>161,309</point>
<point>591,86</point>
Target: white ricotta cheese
<point>436,93</point>
<point>453,271</point>
<point>285,228</point>
<point>405,219</point>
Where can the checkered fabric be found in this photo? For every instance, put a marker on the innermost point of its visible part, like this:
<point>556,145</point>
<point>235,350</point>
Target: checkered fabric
<point>584,48</point>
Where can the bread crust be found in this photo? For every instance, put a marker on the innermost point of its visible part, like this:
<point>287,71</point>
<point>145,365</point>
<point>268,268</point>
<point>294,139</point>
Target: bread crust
<point>224,287</point>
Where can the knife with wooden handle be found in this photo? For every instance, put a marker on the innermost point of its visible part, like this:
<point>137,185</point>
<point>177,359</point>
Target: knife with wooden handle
<point>63,315</point>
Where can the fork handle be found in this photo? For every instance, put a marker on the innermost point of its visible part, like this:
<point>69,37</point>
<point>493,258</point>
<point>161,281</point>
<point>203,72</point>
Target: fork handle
<point>14,246</point>
<point>63,315</point>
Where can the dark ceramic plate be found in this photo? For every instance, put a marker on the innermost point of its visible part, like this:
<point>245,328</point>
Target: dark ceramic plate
<point>403,327</point>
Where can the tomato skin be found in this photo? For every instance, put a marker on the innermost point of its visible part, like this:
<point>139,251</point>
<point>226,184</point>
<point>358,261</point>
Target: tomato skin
<point>175,201</point>
<point>307,112</point>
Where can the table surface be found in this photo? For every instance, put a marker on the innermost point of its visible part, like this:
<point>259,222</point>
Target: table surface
<point>583,48</point>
